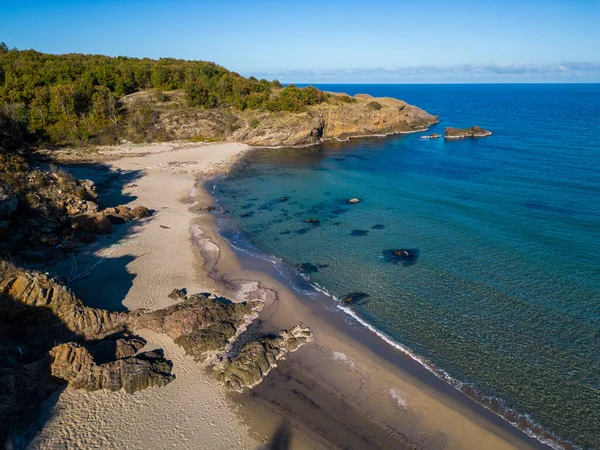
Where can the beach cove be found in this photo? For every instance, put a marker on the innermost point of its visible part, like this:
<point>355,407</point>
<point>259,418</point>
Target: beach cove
<point>342,390</point>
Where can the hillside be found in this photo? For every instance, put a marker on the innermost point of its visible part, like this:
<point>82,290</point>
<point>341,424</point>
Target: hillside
<point>75,99</point>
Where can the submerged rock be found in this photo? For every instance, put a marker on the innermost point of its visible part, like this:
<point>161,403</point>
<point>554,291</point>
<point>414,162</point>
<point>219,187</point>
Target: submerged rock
<point>257,358</point>
<point>313,221</point>
<point>462,133</point>
<point>354,297</point>
<point>378,227</point>
<point>307,268</point>
<point>359,233</point>
<point>406,256</point>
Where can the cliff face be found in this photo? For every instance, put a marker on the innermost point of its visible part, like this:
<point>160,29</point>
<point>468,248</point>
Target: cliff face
<point>341,117</point>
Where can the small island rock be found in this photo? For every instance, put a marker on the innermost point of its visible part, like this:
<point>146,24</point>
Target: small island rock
<point>462,133</point>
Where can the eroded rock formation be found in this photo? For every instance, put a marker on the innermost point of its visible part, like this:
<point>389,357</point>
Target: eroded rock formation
<point>75,364</point>
<point>48,338</point>
<point>257,358</point>
<point>203,326</point>
<point>341,117</point>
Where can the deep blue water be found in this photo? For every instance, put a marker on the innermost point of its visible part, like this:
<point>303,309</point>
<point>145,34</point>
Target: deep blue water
<point>504,295</point>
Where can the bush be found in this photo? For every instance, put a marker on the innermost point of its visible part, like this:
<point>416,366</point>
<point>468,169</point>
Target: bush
<point>374,106</point>
<point>347,99</point>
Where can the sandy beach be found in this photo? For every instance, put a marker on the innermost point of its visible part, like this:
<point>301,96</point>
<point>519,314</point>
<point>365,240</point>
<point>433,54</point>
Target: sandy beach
<point>347,389</point>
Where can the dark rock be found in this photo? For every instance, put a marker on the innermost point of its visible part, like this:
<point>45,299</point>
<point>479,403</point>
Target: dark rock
<point>208,208</point>
<point>307,268</point>
<point>313,221</point>
<point>378,227</point>
<point>354,297</point>
<point>359,233</point>
<point>406,256</point>
<point>248,214</point>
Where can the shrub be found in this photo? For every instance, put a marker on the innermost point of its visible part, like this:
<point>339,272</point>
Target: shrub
<point>374,106</point>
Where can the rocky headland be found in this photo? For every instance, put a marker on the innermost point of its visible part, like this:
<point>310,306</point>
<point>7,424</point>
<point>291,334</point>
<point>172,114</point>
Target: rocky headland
<point>340,117</point>
<point>464,133</point>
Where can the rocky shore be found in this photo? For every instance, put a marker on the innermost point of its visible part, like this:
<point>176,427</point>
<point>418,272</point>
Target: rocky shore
<point>49,337</point>
<point>341,117</point>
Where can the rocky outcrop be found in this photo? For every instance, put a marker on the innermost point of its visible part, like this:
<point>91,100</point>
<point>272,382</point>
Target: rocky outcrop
<point>257,358</point>
<point>406,256</point>
<point>92,223</point>
<point>75,364</point>
<point>203,326</point>
<point>64,312</point>
<point>48,338</point>
<point>283,129</point>
<point>463,133</point>
<point>124,214</point>
<point>340,117</point>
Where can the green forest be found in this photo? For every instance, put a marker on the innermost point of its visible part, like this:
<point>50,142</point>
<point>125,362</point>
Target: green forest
<point>73,99</point>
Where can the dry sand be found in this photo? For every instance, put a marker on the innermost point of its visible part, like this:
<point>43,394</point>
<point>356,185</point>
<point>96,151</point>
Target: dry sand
<point>339,392</point>
<point>143,264</point>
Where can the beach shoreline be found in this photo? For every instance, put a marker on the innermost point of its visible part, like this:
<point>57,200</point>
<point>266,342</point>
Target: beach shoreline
<point>347,386</point>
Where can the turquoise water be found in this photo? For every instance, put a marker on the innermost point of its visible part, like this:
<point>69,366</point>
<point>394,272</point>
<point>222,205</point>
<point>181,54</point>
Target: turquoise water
<point>504,294</point>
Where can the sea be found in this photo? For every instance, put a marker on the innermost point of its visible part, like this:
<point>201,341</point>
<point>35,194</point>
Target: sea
<point>500,294</point>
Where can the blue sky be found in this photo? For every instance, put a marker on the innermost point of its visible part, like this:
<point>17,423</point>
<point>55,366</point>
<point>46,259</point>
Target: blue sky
<point>329,41</point>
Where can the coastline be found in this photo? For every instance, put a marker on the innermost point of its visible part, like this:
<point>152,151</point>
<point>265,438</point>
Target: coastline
<point>347,386</point>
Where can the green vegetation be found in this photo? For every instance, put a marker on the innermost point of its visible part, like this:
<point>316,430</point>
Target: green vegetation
<point>374,106</point>
<point>347,99</point>
<point>73,99</point>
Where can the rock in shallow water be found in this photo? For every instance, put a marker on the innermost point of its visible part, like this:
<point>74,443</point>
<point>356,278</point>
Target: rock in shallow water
<point>406,256</point>
<point>354,297</point>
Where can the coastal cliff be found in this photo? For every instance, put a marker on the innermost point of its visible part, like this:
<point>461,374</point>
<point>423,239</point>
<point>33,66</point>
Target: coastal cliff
<point>340,117</point>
